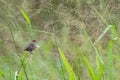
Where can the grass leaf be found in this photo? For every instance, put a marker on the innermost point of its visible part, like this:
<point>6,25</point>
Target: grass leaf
<point>25,16</point>
<point>110,60</point>
<point>100,72</point>
<point>2,74</point>
<point>100,68</point>
<point>89,67</point>
<point>20,74</point>
<point>68,67</point>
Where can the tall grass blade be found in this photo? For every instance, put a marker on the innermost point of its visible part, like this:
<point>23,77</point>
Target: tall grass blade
<point>20,74</point>
<point>89,67</point>
<point>25,16</point>
<point>23,65</point>
<point>110,52</point>
<point>2,74</point>
<point>28,25</point>
<point>94,47</point>
<point>100,68</point>
<point>110,60</point>
<point>68,67</point>
<point>100,72</point>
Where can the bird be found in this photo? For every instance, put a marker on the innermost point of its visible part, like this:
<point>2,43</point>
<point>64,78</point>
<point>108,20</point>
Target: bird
<point>31,46</point>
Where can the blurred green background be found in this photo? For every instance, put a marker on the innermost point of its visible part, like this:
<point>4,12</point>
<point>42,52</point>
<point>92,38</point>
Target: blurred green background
<point>86,33</point>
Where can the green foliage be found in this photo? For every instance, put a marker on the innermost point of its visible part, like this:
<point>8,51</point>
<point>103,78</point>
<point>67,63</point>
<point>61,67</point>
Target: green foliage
<point>26,17</point>
<point>68,67</point>
<point>23,65</point>
<point>100,69</point>
<point>20,75</point>
<point>2,74</point>
<point>87,32</point>
<point>91,72</point>
<point>110,60</point>
<point>110,52</point>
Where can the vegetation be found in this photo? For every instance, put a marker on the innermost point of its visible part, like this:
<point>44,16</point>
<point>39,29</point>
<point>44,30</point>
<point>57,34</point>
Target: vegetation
<point>78,39</point>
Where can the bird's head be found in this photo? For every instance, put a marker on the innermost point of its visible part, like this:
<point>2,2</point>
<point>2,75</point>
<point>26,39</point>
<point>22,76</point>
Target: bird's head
<point>34,41</point>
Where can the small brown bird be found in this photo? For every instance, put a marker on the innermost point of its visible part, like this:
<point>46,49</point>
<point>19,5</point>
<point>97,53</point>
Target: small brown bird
<point>31,46</point>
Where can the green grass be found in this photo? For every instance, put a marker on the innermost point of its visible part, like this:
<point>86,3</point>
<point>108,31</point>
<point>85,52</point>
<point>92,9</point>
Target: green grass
<point>68,67</point>
<point>79,40</point>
